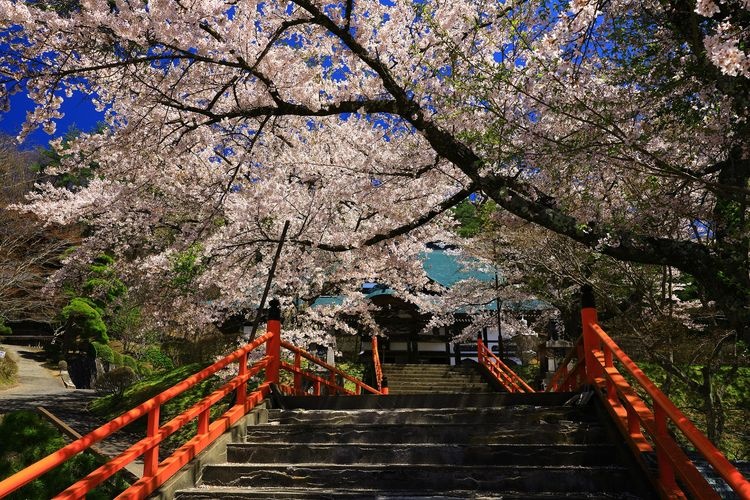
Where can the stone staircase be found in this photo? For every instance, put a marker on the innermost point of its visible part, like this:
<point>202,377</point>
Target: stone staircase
<point>434,379</point>
<point>426,446</point>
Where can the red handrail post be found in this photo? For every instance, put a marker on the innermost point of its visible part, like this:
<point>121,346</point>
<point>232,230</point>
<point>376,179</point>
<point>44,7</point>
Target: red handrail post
<point>242,389</point>
<point>203,422</point>
<point>151,457</point>
<point>297,374</point>
<point>480,349</point>
<point>666,471</point>
<point>376,363</point>
<point>273,347</point>
<point>591,341</point>
<point>384,387</point>
<point>332,382</point>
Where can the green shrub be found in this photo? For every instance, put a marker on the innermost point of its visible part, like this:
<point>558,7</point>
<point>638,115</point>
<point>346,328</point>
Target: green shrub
<point>8,370</point>
<point>144,369</point>
<point>117,359</point>
<point>103,352</point>
<point>4,329</point>
<point>27,438</point>
<point>157,358</point>
<point>115,381</point>
<point>129,361</point>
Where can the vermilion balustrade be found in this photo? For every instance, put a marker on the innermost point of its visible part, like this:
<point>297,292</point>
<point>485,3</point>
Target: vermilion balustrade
<point>156,472</point>
<point>317,383</point>
<point>378,367</point>
<point>647,429</point>
<point>502,373</point>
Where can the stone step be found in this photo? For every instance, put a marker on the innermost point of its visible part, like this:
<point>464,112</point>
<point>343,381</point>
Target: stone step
<point>411,401</point>
<point>425,453</point>
<point>418,372</point>
<point>424,478</point>
<point>513,415</point>
<point>437,389</point>
<point>426,366</point>
<point>457,387</point>
<point>437,380</point>
<point>507,433</point>
<point>430,371</point>
<point>447,379</point>
<point>431,375</point>
<point>214,492</point>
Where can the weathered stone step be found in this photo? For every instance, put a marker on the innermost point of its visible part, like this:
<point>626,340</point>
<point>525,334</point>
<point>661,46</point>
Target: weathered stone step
<point>511,414</point>
<point>509,432</point>
<point>411,401</point>
<point>214,492</point>
<point>455,387</point>
<point>426,478</point>
<point>427,367</point>
<point>443,382</point>
<point>425,453</point>
<point>447,381</point>
<point>430,374</point>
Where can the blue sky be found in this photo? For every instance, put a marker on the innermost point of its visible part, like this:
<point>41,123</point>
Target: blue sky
<point>79,112</point>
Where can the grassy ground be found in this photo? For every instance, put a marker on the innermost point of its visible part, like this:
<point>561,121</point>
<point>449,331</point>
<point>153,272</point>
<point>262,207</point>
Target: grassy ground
<point>112,406</point>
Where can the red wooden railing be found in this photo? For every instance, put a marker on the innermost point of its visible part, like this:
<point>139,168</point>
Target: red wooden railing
<point>316,381</point>
<point>377,365</point>
<point>647,429</point>
<point>502,373</point>
<point>156,472</point>
<point>569,375</point>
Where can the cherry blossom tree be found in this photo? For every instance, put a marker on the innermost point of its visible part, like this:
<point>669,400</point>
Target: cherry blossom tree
<point>621,125</point>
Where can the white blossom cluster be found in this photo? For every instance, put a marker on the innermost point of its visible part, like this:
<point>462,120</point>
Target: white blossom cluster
<point>361,128</point>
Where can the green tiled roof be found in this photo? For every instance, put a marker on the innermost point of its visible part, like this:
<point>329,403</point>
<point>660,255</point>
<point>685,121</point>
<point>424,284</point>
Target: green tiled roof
<point>328,300</point>
<point>447,268</point>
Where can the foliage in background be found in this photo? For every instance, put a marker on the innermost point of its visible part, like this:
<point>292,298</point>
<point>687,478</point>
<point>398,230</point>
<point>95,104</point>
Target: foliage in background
<point>4,329</point>
<point>734,386</point>
<point>157,358</point>
<point>201,349</point>
<point>186,267</point>
<point>26,438</point>
<point>102,284</point>
<point>29,252</point>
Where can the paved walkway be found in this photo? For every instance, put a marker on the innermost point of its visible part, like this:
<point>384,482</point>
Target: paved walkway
<point>39,386</point>
<point>32,376</point>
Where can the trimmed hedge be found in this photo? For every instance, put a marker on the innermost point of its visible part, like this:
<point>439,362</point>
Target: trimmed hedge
<point>103,352</point>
